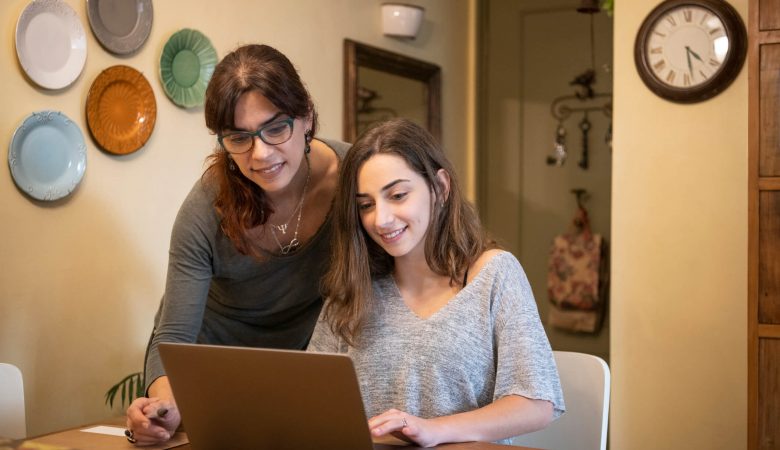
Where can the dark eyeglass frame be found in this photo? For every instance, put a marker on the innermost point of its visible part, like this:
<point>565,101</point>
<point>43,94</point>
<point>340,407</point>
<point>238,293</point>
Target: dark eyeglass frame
<point>290,121</point>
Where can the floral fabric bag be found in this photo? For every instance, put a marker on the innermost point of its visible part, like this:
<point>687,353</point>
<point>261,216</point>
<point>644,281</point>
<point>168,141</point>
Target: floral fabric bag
<point>577,278</point>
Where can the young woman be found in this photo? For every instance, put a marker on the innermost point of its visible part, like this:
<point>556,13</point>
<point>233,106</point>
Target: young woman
<point>252,239</point>
<point>441,326</point>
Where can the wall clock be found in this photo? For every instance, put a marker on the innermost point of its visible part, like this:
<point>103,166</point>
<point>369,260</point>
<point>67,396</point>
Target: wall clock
<point>690,50</point>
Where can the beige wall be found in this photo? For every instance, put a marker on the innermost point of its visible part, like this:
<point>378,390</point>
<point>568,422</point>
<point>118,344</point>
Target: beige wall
<point>679,260</point>
<point>82,277</point>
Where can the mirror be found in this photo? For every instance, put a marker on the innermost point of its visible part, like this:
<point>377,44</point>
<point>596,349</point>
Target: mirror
<point>380,84</point>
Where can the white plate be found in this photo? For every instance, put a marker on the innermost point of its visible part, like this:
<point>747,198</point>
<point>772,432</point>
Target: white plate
<point>121,26</point>
<point>50,43</point>
<point>47,155</point>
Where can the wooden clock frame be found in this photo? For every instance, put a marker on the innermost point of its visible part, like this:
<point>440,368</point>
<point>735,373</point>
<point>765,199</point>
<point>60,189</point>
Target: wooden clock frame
<point>735,58</point>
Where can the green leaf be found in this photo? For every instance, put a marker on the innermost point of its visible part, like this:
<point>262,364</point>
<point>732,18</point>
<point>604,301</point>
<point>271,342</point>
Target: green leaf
<point>110,394</point>
<point>131,390</point>
<point>132,387</point>
<point>141,386</point>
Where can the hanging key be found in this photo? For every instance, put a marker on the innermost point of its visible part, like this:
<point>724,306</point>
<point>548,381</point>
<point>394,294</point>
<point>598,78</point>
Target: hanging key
<point>559,154</point>
<point>585,128</point>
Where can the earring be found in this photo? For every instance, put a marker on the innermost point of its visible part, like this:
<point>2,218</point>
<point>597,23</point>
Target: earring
<point>307,136</point>
<point>231,164</point>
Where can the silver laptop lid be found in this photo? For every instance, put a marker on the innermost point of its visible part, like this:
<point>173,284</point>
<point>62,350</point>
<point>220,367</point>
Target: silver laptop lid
<point>249,398</point>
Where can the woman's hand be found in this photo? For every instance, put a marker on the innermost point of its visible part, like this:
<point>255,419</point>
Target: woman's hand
<point>508,416</point>
<point>151,421</point>
<point>423,432</point>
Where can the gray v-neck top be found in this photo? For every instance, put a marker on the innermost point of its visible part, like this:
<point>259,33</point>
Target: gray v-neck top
<point>215,295</point>
<point>485,343</point>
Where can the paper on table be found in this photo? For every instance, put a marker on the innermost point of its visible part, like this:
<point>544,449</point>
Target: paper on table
<point>103,429</point>
<point>76,438</point>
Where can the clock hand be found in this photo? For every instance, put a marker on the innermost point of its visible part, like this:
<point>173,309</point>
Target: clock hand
<point>693,53</point>
<point>688,55</point>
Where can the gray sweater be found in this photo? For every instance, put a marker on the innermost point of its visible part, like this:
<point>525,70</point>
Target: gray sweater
<point>486,343</point>
<point>215,295</point>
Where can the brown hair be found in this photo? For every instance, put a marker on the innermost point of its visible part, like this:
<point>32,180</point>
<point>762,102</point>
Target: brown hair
<point>242,204</point>
<point>457,242</point>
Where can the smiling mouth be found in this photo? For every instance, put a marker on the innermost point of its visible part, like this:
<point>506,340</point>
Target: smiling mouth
<point>393,235</point>
<point>269,170</point>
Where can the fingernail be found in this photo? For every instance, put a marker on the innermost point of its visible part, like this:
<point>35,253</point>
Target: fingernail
<point>163,435</point>
<point>162,412</point>
<point>145,425</point>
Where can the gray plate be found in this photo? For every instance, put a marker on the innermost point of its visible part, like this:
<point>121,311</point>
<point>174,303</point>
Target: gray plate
<point>121,26</point>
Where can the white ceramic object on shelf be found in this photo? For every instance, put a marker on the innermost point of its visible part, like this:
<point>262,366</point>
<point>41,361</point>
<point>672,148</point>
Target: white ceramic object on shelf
<point>50,43</point>
<point>401,20</point>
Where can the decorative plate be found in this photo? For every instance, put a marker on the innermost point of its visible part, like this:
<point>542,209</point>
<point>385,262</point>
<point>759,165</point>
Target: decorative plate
<point>121,110</point>
<point>47,155</point>
<point>50,43</point>
<point>121,26</point>
<point>186,65</point>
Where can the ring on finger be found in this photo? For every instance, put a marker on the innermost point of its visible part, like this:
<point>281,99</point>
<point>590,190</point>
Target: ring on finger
<point>130,438</point>
<point>403,421</point>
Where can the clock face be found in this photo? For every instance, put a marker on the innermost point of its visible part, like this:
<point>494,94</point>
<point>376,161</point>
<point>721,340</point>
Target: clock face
<point>690,50</point>
<point>686,46</point>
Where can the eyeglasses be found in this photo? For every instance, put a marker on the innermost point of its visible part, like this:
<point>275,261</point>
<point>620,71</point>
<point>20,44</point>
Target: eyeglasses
<point>274,133</point>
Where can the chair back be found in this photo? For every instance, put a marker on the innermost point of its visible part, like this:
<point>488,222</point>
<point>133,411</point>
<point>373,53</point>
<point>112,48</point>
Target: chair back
<point>585,382</point>
<point>12,419</point>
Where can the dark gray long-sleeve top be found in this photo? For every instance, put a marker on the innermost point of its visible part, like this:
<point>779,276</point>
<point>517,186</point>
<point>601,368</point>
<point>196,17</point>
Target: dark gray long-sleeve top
<point>215,295</point>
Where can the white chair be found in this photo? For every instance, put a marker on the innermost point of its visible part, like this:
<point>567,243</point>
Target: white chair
<point>585,381</point>
<point>12,419</point>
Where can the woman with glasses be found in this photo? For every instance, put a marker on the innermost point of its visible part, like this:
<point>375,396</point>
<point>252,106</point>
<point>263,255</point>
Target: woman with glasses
<point>251,240</point>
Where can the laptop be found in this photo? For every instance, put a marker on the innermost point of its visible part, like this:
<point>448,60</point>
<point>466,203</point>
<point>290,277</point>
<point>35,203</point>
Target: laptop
<point>251,398</point>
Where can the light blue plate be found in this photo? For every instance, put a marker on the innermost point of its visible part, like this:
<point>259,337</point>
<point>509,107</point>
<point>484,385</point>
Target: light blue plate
<point>47,155</point>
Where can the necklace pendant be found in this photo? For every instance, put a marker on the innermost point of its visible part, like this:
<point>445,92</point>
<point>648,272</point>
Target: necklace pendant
<point>282,228</point>
<point>291,246</point>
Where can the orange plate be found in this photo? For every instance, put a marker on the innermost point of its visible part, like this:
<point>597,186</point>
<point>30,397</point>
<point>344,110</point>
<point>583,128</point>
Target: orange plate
<point>121,110</point>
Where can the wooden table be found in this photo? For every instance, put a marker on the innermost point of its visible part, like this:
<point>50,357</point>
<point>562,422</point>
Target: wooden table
<point>73,438</point>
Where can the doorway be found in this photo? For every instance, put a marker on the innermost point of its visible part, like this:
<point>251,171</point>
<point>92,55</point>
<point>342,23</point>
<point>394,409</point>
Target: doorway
<point>530,53</point>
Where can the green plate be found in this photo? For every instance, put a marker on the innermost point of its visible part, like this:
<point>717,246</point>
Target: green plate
<point>186,65</point>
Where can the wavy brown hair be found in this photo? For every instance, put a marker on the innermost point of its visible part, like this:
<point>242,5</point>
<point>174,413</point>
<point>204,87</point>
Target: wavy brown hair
<point>242,204</point>
<point>454,241</point>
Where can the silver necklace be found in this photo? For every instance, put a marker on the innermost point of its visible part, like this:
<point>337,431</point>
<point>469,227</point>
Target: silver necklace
<point>294,243</point>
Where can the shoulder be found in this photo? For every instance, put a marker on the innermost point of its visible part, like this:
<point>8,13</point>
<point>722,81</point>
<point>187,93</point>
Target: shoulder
<point>197,210</point>
<point>200,199</point>
<point>494,262</point>
<point>202,191</point>
<point>325,157</point>
<point>338,147</point>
